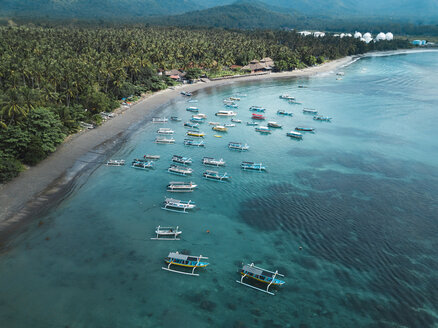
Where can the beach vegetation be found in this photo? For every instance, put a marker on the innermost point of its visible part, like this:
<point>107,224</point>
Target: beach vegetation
<point>10,167</point>
<point>53,78</point>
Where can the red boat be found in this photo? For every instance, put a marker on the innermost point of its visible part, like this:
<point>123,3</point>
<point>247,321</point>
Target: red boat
<point>258,117</point>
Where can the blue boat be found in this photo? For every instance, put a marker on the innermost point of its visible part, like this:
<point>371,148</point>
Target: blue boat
<point>197,119</point>
<point>216,176</point>
<point>237,146</point>
<point>257,109</point>
<point>232,105</point>
<point>253,166</point>
<point>192,109</point>
<point>191,125</point>
<point>181,160</point>
<point>175,119</point>
<point>322,118</point>
<point>284,113</point>
<point>252,123</point>
<point>142,164</point>
<point>186,93</point>
<point>260,275</point>
<point>194,143</point>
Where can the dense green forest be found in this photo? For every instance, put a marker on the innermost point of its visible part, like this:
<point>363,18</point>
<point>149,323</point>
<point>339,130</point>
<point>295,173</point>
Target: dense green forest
<point>51,79</point>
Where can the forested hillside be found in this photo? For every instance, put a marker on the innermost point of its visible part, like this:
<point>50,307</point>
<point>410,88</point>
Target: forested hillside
<point>53,78</point>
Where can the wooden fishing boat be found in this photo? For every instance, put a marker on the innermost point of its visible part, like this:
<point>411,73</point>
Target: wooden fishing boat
<point>180,186</point>
<point>185,261</point>
<point>176,205</point>
<point>284,113</point>
<point>263,129</point>
<point>310,111</point>
<point>163,140</point>
<point>194,143</point>
<point>182,160</point>
<point>179,170</point>
<point>167,233</point>
<point>257,109</point>
<point>226,113</point>
<point>216,176</point>
<point>142,165</point>
<point>159,120</point>
<point>167,131</point>
<point>115,162</point>
<point>192,109</point>
<point>237,146</point>
<point>250,272</point>
<point>234,98</point>
<point>305,129</point>
<point>219,128</point>
<point>152,157</point>
<point>252,123</point>
<point>213,162</point>
<point>191,125</point>
<point>195,134</point>
<point>287,97</point>
<point>214,123</point>
<point>253,166</point>
<point>294,134</point>
<point>258,117</point>
<point>322,118</point>
<point>274,125</point>
<point>236,120</point>
<point>175,119</point>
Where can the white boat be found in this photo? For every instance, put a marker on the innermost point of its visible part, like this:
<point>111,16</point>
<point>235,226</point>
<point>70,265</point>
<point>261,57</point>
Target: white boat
<point>253,166</point>
<point>176,205</point>
<point>167,233</point>
<point>310,111</point>
<point>226,113</point>
<point>229,125</point>
<point>213,162</point>
<point>165,131</point>
<point>159,120</point>
<point>200,115</point>
<point>142,164</point>
<point>164,140</point>
<point>115,162</point>
<point>194,143</point>
<point>294,134</point>
<point>236,120</point>
<point>192,109</point>
<point>181,186</point>
<point>153,157</point>
<point>287,97</point>
<point>179,170</point>
<point>274,125</point>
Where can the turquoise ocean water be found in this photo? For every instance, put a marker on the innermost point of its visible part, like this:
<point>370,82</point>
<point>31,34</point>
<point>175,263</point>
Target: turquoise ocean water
<point>359,196</point>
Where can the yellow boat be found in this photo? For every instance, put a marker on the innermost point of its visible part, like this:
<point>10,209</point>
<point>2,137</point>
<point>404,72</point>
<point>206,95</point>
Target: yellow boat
<point>217,136</point>
<point>219,128</point>
<point>196,134</point>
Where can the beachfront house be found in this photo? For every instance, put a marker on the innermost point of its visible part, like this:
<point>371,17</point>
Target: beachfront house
<point>176,75</point>
<point>256,66</point>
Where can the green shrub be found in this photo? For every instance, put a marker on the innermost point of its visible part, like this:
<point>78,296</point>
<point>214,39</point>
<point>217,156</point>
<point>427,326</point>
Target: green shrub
<point>9,167</point>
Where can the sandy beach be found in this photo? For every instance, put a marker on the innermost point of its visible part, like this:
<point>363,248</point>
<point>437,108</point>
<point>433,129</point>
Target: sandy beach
<point>35,189</point>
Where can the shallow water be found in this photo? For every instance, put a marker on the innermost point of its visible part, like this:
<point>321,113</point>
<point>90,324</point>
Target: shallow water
<point>359,196</point>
